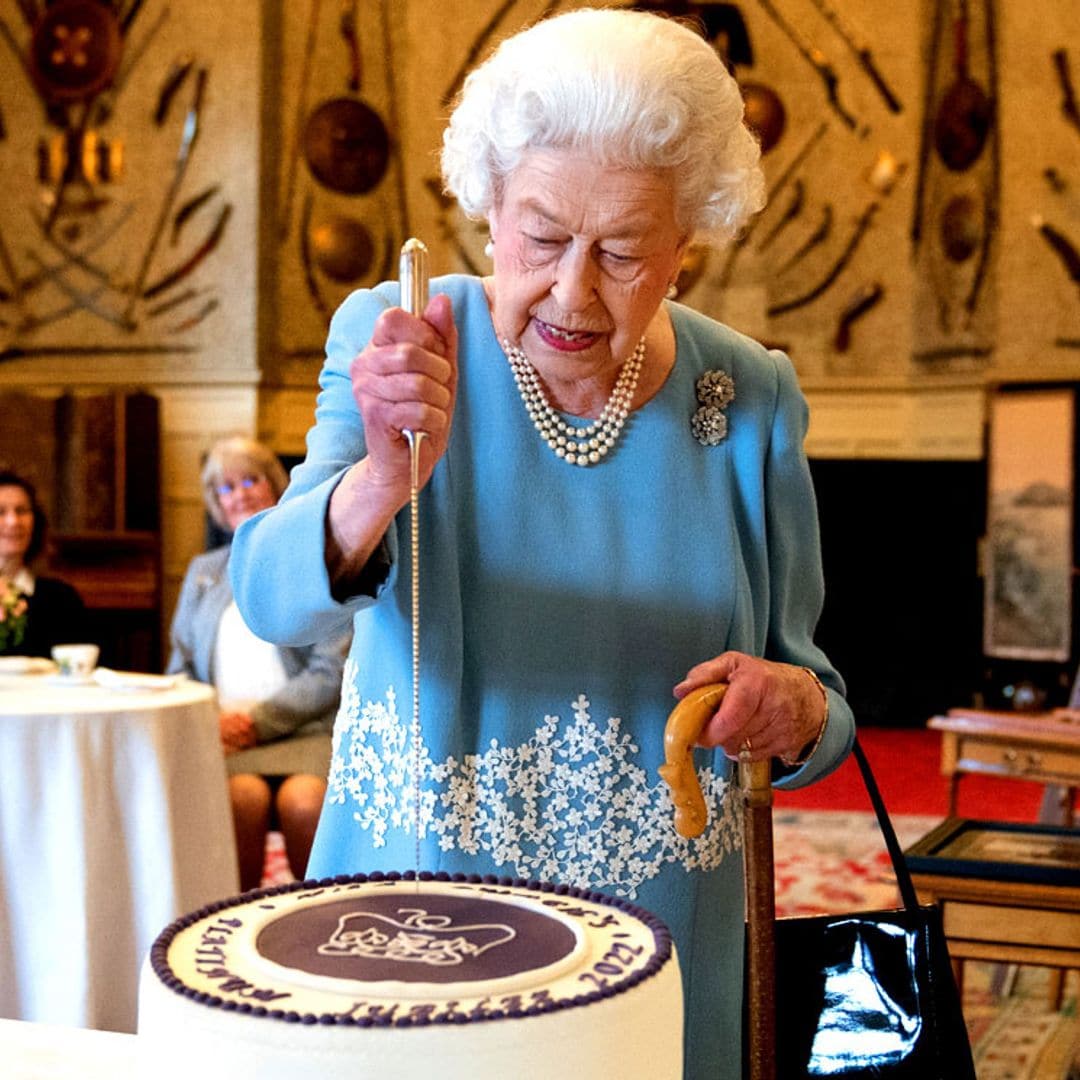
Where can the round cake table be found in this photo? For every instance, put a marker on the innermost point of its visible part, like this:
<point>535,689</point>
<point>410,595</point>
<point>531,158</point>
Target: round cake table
<point>114,820</point>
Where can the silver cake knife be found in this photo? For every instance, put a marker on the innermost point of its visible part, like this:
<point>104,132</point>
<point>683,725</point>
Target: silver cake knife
<point>413,275</point>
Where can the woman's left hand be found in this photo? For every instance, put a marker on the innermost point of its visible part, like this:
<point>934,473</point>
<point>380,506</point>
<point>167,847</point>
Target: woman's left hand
<point>777,708</point>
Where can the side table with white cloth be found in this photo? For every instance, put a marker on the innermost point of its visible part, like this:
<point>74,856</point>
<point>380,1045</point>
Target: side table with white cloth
<point>114,820</point>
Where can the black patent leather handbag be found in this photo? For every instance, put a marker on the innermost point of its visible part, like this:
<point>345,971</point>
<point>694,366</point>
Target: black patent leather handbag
<point>869,994</point>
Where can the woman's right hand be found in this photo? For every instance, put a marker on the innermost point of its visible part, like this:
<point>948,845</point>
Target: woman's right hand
<point>406,378</point>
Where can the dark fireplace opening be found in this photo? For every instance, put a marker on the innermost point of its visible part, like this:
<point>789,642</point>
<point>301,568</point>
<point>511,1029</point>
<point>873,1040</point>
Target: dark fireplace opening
<point>903,617</point>
<point>903,596</point>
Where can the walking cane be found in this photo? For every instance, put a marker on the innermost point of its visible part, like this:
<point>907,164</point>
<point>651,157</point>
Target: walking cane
<point>684,727</point>
<point>756,783</point>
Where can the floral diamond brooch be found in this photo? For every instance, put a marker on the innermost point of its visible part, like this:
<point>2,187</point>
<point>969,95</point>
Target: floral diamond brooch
<point>715,391</point>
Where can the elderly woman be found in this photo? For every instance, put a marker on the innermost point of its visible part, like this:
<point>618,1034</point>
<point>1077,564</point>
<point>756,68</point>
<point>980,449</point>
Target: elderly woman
<point>616,508</point>
<point>49,610</point>
<point>277,704</point>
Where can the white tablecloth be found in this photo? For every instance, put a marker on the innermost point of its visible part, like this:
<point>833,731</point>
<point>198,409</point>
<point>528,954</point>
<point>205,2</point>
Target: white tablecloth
<point>114,820</point>
<point>49,1052</point>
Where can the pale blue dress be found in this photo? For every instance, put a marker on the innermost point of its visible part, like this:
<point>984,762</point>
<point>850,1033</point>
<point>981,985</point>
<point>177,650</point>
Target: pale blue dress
<point>559,605</point>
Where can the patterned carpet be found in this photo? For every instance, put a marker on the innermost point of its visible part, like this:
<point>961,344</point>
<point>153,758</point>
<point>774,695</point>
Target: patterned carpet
<point>831,861</point>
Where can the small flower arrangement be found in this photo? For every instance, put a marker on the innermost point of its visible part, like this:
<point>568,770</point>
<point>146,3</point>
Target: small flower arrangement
<point>12,615</point>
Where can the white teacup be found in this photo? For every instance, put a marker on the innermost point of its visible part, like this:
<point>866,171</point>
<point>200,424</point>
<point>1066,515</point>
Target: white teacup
<point>76,661</point>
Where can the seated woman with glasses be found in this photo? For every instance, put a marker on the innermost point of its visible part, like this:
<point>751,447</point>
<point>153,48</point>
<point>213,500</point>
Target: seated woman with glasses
<point>277,702</point>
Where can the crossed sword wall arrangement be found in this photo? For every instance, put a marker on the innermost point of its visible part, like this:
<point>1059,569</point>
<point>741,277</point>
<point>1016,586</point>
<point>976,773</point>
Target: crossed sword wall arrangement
<point>121,301</point>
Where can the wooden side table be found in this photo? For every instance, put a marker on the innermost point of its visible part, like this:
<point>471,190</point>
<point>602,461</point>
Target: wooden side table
<point>1019,908</point>
<point>1043,747</point>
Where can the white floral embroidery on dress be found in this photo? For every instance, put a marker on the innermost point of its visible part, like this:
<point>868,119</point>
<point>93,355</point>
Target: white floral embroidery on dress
<point>571,804</point>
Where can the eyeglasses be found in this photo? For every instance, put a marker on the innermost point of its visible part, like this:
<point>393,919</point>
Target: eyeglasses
<point>227,487</point>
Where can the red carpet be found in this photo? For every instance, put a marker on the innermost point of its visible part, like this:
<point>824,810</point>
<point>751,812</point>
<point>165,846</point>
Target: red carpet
<point>906,763</point>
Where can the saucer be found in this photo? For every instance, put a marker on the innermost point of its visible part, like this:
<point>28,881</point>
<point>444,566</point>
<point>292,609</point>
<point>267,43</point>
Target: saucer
<point>69,680</point>
<point>134,680</point>
<point>26,665</point>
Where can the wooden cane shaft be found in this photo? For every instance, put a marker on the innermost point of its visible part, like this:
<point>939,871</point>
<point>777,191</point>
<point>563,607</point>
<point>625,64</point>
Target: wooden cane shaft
<point>760,917</point>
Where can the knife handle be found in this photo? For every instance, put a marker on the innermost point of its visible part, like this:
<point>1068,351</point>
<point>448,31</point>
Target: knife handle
<point>414,276</point>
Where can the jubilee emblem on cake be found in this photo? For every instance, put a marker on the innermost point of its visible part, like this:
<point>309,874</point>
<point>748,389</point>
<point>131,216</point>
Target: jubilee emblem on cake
<point>419,938</point>
<point>397,939</point>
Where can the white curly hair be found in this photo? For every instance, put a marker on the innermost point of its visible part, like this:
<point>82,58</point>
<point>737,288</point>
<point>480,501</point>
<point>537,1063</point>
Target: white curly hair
<point>633,89</point>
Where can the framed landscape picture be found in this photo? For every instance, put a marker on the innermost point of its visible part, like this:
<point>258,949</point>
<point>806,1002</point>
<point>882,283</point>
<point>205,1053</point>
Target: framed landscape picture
<point>999,850</point>
<point>1029,549</point>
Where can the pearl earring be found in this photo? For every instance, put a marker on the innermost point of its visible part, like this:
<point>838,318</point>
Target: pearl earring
<point>672,291</point>
<point>489,249</point>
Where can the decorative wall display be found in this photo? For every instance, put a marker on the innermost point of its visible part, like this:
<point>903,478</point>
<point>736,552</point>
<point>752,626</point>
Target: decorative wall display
<point>958,186</point>
<point>1064,247</point>
<point>1029,546</point>
<point>238,341</point>
<point>336,218</point>
<point>846,95</point>
<point>100,246</point>
<point>724,26</point>
<point>862,52</point>
<point>1069,107</point>
<point>817,59</point>
<point>813,263</point>
<point>877,256</point>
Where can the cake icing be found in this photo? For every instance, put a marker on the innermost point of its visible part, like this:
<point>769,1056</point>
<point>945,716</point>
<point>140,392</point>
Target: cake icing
<point>402,974</point>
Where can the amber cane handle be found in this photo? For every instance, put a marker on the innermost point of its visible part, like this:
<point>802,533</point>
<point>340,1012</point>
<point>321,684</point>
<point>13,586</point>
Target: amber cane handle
<point>681,733</point>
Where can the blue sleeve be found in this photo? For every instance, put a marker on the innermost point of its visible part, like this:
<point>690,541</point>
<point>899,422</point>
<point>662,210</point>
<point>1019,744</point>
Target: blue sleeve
<point>278,565</point>
<point>797,584</point>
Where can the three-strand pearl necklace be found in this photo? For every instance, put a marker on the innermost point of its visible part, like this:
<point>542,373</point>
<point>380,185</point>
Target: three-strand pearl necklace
<point>576,445</point>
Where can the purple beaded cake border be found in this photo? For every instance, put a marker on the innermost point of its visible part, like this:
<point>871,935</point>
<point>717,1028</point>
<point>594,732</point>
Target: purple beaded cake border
<point>160,964</point>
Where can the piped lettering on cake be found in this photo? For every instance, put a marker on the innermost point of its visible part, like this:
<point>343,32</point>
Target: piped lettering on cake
<point>210,959</point>
<point>615,963</point>
<point>418,1014</point>
<point>417,938</point>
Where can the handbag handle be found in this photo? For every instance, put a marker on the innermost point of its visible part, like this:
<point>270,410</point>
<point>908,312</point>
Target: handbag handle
<point>900,867</point>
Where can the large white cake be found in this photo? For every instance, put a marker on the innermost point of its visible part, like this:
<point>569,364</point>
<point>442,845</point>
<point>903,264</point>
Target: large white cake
<point>405,977</point>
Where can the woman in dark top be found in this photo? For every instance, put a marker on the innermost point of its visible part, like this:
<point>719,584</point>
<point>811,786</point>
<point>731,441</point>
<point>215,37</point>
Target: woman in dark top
<point>54,610</point>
